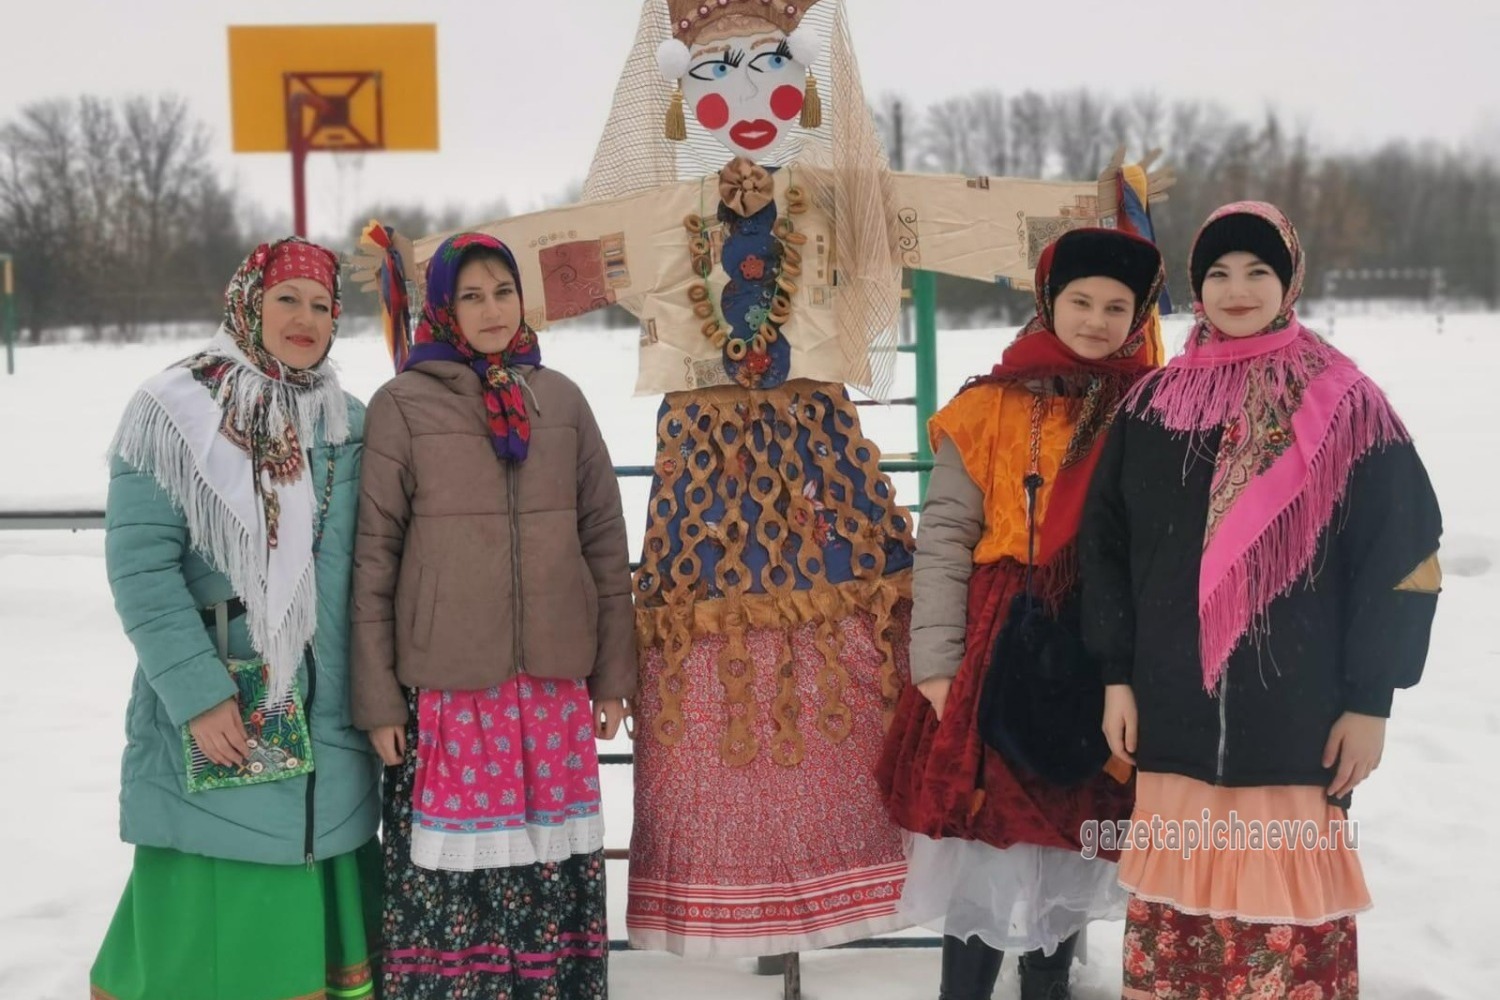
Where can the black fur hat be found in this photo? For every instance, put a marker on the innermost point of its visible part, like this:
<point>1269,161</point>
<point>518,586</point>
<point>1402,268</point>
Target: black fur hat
<point>1239,233</point>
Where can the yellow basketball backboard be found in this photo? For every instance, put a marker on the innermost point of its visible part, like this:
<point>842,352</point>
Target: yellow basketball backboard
<point>361,86</point>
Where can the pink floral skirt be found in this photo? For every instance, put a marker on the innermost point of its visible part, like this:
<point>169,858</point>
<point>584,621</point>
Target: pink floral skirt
<point>506,776</point>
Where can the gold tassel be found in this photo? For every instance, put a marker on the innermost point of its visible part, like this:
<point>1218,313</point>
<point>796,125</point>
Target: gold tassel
<point>676,124</point>
<point>812,104</point>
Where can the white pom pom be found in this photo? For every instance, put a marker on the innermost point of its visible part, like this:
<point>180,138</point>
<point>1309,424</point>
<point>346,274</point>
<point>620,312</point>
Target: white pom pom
<point>672,58</point>
<point>806,44</point>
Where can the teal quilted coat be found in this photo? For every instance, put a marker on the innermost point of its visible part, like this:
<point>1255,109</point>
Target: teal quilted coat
<point>159,584</point>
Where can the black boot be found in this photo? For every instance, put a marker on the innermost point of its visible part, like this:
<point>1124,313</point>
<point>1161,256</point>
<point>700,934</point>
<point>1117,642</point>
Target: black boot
<point>1045,977</point>
<point>970,969</point>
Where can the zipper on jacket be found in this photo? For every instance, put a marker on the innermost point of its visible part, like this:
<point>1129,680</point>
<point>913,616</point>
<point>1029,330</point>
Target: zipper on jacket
<point>517,638</point>
<point>1223,723</point>
<point>312,777</point>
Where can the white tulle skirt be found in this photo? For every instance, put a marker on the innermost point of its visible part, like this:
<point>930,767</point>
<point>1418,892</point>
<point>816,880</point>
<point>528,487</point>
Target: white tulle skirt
<point>1019,899</point>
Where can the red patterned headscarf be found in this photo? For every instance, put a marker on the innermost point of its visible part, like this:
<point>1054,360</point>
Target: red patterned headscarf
<point>297,258</point>
<point>267,266</point>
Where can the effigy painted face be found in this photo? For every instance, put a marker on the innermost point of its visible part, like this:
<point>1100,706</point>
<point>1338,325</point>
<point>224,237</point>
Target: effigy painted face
<point>746,89</point>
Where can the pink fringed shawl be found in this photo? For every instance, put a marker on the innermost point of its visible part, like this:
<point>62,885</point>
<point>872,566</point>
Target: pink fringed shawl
<point>1296,416</point>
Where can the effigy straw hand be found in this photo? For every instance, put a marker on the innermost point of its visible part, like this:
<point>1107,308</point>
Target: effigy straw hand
<point>1158,182</point>
<point>1109,199</point>
<point>1116,161</point>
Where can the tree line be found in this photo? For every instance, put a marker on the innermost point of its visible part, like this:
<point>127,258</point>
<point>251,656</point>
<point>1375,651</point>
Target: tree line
<point>117,218</point>
<point>1398,206</point>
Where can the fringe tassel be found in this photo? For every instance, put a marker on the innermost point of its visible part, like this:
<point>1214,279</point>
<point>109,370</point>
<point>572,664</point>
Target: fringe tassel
<point>676,127</point>
<point>320,407</point>
<point>1277,559</point>
<point>150,440</point>
<point>1200,399</point>
<point>812,104</point>
<point>1054,581</point>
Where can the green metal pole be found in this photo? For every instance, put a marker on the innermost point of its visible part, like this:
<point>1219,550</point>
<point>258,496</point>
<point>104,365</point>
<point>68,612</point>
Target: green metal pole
<point>8,314</point>
<point>924,298</point>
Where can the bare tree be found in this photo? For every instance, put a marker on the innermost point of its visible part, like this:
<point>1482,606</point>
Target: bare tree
<point>888,112</point>
<point>165,155</point>
<point>946,139</point>
<point>1030,134</point>
<point>1147,115</point>
<point>99,198</point>
<point>993,137</point>
<point>1080,133</point>
<point>41,203</point>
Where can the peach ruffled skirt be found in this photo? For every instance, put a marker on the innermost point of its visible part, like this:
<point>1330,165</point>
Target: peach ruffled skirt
<point>1276,854</point>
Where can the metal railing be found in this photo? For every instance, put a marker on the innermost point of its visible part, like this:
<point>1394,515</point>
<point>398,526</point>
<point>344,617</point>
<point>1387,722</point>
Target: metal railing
<point>92,518</point>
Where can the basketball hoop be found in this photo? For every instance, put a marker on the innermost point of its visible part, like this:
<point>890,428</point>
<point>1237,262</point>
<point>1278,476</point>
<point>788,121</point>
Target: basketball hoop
<point>293,91</point>
<point>320,114</point>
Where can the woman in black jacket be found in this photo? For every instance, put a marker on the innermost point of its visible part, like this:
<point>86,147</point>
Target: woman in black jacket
<point>1259,561</point>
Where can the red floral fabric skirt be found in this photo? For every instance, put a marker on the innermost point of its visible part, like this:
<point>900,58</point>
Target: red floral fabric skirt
<point>1170,955</point>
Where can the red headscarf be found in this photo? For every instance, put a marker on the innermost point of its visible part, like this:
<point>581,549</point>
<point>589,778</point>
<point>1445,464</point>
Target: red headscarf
<point>1037,355</point>
<point>295,259</point>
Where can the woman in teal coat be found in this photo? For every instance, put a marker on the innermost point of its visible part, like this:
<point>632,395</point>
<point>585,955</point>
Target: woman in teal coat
<point>251,799</point>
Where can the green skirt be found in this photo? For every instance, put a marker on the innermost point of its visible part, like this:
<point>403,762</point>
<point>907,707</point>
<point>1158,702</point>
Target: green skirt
<point>207,929</point>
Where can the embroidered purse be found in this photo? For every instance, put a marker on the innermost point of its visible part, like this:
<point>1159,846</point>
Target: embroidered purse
<point>278,735</point>
<point>279,740</point>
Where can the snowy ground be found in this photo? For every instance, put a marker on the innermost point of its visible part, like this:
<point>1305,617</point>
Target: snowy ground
<point>1427,819</point>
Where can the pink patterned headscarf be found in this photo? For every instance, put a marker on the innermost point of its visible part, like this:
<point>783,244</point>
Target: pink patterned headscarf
<point>1296,415</point>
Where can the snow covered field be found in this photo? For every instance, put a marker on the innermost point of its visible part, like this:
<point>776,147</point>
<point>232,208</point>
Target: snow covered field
<point>1428,818</point>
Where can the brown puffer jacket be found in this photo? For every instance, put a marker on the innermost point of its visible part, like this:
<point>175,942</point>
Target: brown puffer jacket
<point>466,566</point>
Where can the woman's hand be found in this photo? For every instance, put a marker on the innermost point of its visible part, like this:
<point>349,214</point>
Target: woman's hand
<point>608,714</point>
<point>220,733</point>
<point>1355,743</point>
<point>935,690</point>
<point>1120,721</point>
<point>389,743</point>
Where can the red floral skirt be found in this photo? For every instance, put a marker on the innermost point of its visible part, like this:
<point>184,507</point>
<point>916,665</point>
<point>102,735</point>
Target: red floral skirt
<point>939,778</point>
<point>1170,955</point>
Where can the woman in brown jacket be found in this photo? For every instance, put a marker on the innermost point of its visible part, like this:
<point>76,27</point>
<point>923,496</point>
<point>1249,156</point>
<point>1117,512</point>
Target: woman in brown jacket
<point>491,607</point>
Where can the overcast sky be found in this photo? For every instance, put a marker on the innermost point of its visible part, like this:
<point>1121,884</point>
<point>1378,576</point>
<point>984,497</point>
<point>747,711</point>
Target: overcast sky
<point>524,86</point>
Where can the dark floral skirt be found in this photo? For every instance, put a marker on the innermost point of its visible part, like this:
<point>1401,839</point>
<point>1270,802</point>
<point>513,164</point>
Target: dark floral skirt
<point>1171,955</point>
<point>530,932</point>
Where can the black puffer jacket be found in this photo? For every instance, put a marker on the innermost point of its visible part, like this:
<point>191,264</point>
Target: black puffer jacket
<point>1355,629</point>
